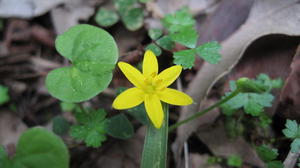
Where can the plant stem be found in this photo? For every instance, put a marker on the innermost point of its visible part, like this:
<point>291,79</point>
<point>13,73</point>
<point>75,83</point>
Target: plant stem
<point>233,94</point>
<point>156,143</point>
<point>291,159</point>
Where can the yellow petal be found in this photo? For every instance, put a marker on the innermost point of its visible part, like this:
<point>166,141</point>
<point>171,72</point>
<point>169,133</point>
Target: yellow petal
<point>154,110</point>
<point>132,74</point>
<point>175,97</point>
<point>150,65</point>
<point>168,76</point>
<point>128,99</point>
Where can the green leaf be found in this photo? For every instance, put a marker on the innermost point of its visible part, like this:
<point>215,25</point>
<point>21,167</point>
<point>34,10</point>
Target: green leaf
<point>186,36</point>
<point>124,5</point>
<point>246,85</point>
<point>60,125</point>
<point>253,108</point>
<point>237,102</point>
<point>181,19</point>
<point>154,34</point>
<point>227,109</point>
<point>166,43</point>
<point>90,128</point>
<point>252,103</point>
<point>275,164</point>
<point>145,1</point>
<point>94,53</point>
<point>185,58</point>
<point>87,43</point>
<point>67,107</point>
<point>4,160</point>
<point>292,129</point>
<point>3,154</point>
<point>154,48</point>
<point>119,127</point>
<point>106,18</point>
<point>266,154</point>
<point>213,160</point>
<point>4,97</point>
<point>38,146</point>
<point>233,127</point>
<point>234,161</point>
<point>264,99</point>
<point>133,18</point>
<point>210,52</point>
<point>295,145</point>
<point>69,84</point>
<point>277,83</point>
<point>264,120</point>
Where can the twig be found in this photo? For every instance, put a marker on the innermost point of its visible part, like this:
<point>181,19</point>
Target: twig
<point>186,150</point>
<point>291,159</point>
<point>186,155</point>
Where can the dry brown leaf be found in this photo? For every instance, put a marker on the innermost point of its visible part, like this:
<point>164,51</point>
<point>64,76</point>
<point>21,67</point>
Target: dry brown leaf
<point>218,142</point>
<point>225,20</point>
<point>266,17</point>
<point>26,8</point>
<point>197,161</point>
<point>290,102</point>
<point>125,154</point>
<point>70,14</point>
<point>11,127</point>
<point>160,8</point>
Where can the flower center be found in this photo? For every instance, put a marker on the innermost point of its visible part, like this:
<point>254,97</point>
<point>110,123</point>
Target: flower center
<point>150,89</point>
<point>150,86</point>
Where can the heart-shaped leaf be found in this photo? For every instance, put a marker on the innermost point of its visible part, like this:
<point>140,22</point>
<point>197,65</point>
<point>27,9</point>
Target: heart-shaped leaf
<point>93,53</point>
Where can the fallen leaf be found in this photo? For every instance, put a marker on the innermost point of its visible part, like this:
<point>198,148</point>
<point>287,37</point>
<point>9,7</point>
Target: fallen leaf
<point>11,127</point>
<point>289,98</point>
<point>160,8</point>
<point>70,14</point>
<point>26,8</point>
<point>220,145</point>
<point>125,154</point>
<point>197,161</point>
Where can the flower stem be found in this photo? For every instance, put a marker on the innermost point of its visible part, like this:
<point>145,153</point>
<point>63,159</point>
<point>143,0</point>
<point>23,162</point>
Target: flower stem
<point>156,143</point>
<point>233,94</point>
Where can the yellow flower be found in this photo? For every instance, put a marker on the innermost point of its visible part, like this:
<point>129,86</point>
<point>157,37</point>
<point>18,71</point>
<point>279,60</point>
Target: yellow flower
<point>151,88</point>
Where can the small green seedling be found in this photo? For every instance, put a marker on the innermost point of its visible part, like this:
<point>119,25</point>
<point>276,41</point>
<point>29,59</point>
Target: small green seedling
<point>292,131</point>
<point>234,161</point>
<point>269,155</point>
<point>181,29</point>
<point>129,11</point>
<point>93,126</point>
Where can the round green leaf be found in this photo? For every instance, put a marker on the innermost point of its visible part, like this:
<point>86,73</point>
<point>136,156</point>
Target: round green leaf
<point>39,147</point>
<point>166,43</point>
<point>60,125</point>
<point>69,84</point>
<point>154,34</point>
<point>93,53</point>
<point>154,48</point>
<point>133,18</point>
<point>105,17</point>
<point>86,43</point>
